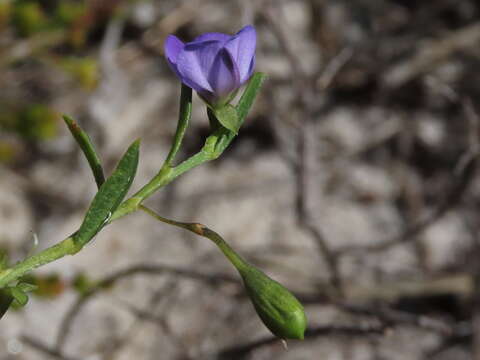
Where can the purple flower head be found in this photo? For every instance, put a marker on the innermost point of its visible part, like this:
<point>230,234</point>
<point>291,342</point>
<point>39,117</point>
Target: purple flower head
<point>214,64</point>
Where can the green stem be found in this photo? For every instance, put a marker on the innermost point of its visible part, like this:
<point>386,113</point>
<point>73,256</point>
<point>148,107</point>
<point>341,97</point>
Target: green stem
<point>213,148</point>
<point>184,115</point>
<point>83,140</point>
<point>204,231</point>
<point>164,177</point>
<point>53,253</point>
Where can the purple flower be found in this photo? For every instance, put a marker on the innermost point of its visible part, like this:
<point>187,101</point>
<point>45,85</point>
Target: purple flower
<point>214,64</point>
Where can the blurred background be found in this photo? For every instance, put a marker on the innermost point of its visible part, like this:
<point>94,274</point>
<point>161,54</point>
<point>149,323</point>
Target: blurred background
<point>353,181</point>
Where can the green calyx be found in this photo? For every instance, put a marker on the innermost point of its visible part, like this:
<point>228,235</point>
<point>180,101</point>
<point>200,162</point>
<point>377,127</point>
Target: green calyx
<point>279,310</point>
<point>227,115</point>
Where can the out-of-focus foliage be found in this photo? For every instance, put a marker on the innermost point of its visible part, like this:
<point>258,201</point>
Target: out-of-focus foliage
<point>47,286</point>
<point>82,283</point>
<point>28,18</point>
<point>39,38</point>
<point>32,122</point>
<point>84,70</point>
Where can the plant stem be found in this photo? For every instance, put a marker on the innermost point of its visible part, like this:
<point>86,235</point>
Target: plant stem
<point>54,252</point>
<point>214,146</point>
<point>184,115</point>
<point>204,231</point>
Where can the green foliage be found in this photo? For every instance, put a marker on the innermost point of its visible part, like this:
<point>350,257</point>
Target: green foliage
<point>82,283</point>
<point>47,286</point>
<point>277,307</point>
<point>7,152</point>
<point>228,117</point>
<point>32,122</point>
<point>109,196</point>
<point>249,95</point>
<point>68,12</point>
<point>5,13</point>
<point>19,296</point>
<point>83,140</point>
<point>3,259</point>
<point>15,296</point>
<point>38,122</point>
<point>84,70</point>
<point>29,18</point>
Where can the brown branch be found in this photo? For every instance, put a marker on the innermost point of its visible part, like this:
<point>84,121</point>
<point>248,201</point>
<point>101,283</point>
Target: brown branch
<point>431,55</point>
<point>306,164</point>
<point>391,318</point>
<point>45,349</point>
<point>450,201</point>
<point>142,269</point>
<point>240,351</point>
<point>464,172</point>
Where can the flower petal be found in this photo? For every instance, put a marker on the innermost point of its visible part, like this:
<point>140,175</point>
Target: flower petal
<point>172,48</point>
<point>223,76</point>
<point>212,36</point>
<point>242,49</point>
<point>194,63</point>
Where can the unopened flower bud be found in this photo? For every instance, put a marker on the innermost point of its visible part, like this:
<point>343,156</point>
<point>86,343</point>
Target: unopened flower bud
<point>279,310</point>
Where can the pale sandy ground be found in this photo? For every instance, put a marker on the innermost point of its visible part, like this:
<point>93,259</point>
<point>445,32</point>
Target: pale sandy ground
<point>248,196</point>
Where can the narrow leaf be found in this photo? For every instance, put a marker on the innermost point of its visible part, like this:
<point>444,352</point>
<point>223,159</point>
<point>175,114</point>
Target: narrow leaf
<point>3,260</point>
<point>109,196</point>
<point>83,140</point>
<point>249,95</point>
<point>26,287</point>
<point>228,117</point>
<point>20,297</point>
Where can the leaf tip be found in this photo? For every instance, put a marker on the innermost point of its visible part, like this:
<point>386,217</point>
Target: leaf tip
<point>136,143</point>
<point>68,120</point>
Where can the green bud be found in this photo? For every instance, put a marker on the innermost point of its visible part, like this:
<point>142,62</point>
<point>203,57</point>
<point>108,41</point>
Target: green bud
<point>279,310</point>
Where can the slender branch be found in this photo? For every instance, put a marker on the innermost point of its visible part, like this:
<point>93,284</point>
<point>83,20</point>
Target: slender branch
<point>241,351</point>
<point>214,146</point>
<point>140,269</point>
<point>46,256</point>
<point>204,231</point>
<point>427,57</point>
<point>306,167</point>
<point>45,349</point>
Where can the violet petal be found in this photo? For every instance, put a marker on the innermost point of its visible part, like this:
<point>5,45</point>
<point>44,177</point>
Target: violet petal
<point>212,36</point>
<point>242,48</point>
<point>172,48</point>
<point>195,61</point>
<point>223,75</point>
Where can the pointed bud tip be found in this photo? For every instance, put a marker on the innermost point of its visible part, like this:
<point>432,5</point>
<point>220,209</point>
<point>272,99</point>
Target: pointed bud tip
<point>278,308</point>
<point>72,124</point>
<point>136,143</point>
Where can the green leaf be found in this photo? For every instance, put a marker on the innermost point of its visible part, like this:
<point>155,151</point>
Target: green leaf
<point>26,287</point>
<point>5,301</point>
<point>20,297</point>
<point>83,140</point>
<point>109,196</point>
<point>3,259</point>
<point>249,95</point>
<point>227,116</point>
